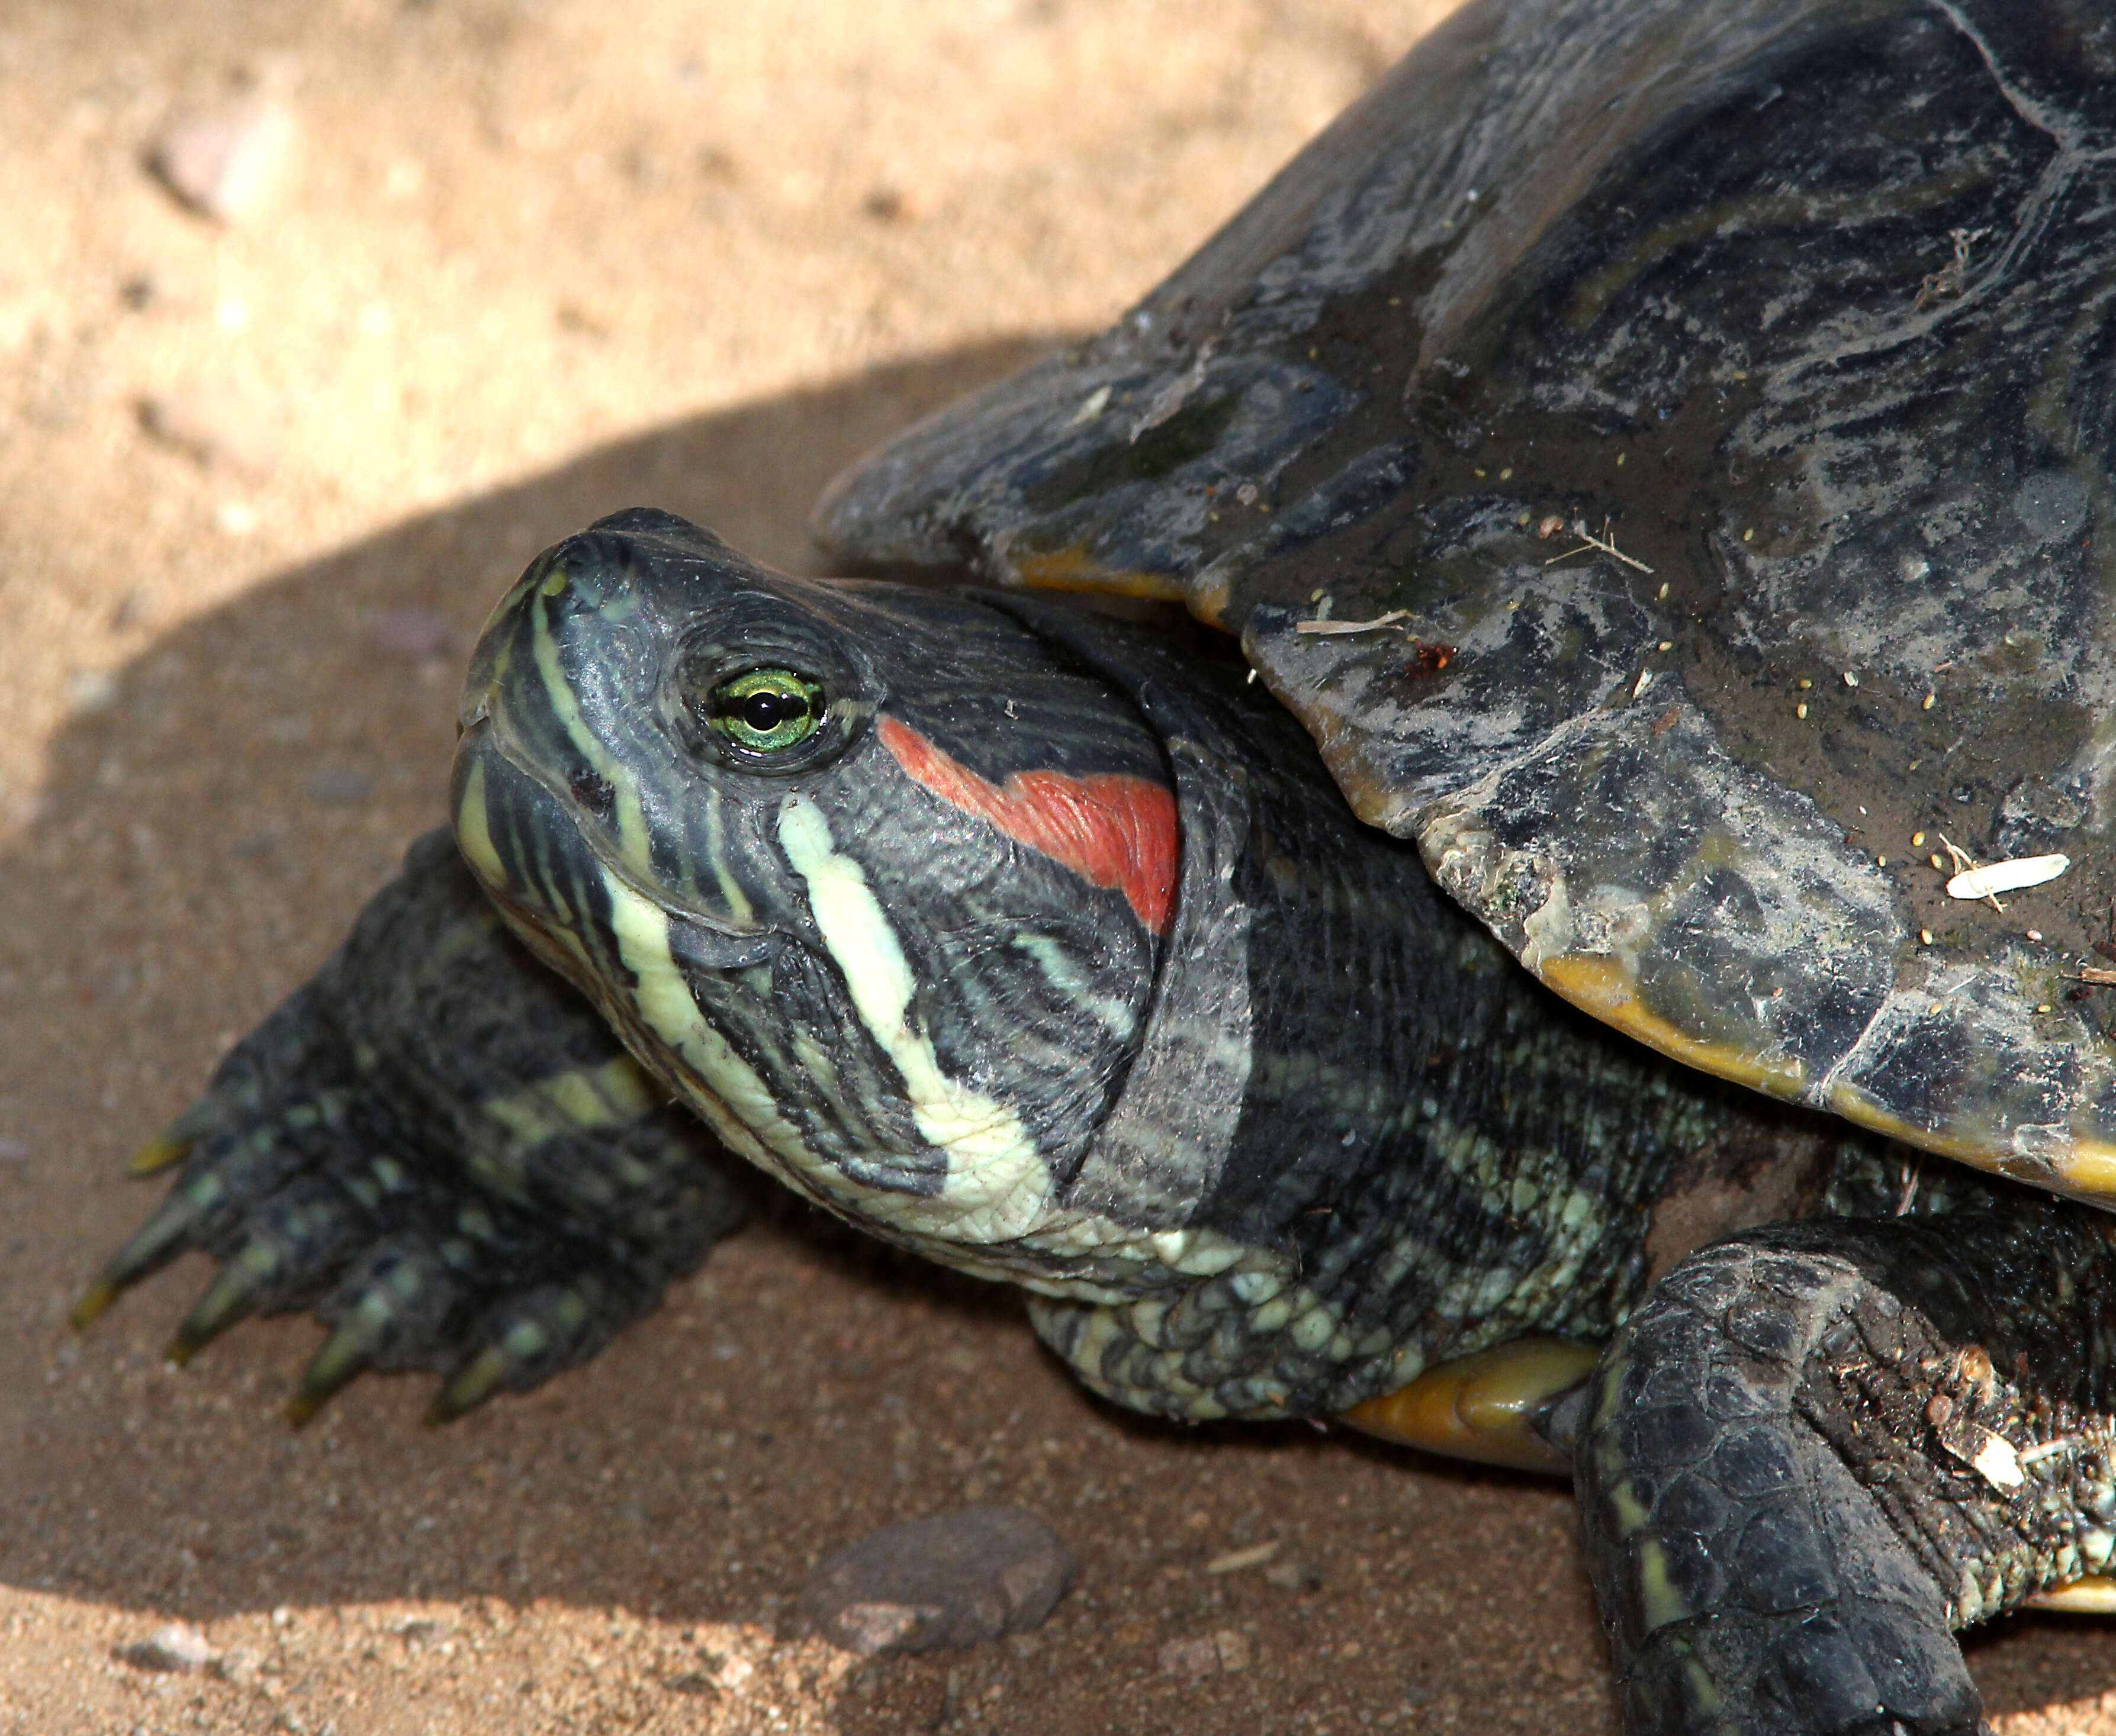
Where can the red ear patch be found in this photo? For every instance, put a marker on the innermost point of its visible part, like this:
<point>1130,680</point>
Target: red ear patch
<point>1112,829</point>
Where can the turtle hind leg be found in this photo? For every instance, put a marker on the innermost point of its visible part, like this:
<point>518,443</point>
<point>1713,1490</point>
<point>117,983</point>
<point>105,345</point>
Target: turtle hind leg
<point>1817,1448</point>
<point>433,1141</point>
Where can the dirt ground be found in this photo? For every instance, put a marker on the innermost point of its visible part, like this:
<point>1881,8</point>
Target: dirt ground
<point>502,267</point>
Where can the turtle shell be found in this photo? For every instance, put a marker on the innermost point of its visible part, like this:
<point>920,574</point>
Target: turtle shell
<point>1708,405</point>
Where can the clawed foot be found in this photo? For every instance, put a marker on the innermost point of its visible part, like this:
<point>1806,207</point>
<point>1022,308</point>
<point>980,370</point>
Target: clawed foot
<point>439,1149</point>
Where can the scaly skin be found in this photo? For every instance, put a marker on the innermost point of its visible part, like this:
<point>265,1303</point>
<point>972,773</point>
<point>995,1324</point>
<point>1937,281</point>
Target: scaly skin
<point>1815,1448</point>
<point>437,1147</point>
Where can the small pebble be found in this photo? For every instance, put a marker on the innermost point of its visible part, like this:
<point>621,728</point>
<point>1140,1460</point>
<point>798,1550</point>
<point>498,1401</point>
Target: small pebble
<point>414,634</point>
<point>890,205</point>
<point>1226,1650</point>
<point>92,689</point>
<point>216,427</point>
<point>238,1663</point>
<point>135,609</point>
<point>955,1579</point>
<point>13,1153</point>
<point>177,1647</point>
<point>340,786</point>
<point>228,164</point>
<point>1292,1576</point>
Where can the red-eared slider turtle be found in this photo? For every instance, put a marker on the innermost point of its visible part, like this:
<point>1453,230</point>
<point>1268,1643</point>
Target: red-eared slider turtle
<point>1659,450</point>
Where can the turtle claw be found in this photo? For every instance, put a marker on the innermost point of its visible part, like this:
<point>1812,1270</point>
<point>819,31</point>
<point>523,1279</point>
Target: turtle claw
<point>391,1313</point>
<point>470,1386</point>
<point>346,1354</point>
<point>364,1152</point>
<point>165,1234</point>
<point>164,1151</point>
<point>297,1241</point>
<point>231,1297</point>
<point>94,1304</point>
<point>532,1335</point>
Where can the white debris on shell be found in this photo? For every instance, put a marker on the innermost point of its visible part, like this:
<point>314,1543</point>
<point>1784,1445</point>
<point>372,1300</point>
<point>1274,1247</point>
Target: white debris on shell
<point>1091,406</point>
<point>2009,876</point>
<point>1998,1463</point>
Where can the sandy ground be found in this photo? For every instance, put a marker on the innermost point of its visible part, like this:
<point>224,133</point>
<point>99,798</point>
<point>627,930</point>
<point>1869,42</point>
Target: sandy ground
<point>518,264</point>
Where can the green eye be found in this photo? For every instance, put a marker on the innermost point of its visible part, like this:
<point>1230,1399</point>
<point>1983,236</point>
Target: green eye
<point>766,710</point>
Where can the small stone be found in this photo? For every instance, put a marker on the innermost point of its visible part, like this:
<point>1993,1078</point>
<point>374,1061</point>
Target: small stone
<point>1234,1560</point>
<point>135,609</point>
<point>226,164</point>
<point>340,786</point>
<point>176,1647</point>
<point>1190,1658</point>
<point>238,1663</point>
<point>1292,1576</point>
<point>92,689</point>
<point>414,634</point>
<point>14,1154</point>
<point>955,1579</point>
<point>1224,1651</point>
<point>217,427</point>
<point>890,205</point>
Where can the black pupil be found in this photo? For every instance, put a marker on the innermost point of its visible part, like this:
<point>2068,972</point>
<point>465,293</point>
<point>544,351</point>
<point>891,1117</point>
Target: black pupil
<point>765,712</point>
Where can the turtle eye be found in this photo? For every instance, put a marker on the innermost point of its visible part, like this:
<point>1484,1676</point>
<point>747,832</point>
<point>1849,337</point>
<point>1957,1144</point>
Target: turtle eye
<point>766,710</point>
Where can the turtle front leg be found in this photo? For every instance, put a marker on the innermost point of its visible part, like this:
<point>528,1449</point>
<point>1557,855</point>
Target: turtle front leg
<point>438,1147</point>
<point>1817,1448</point>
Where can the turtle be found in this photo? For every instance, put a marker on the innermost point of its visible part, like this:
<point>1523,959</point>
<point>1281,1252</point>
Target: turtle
<point>1624,794</point>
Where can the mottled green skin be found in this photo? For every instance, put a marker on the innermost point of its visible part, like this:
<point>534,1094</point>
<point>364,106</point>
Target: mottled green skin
<point>442,1152</point>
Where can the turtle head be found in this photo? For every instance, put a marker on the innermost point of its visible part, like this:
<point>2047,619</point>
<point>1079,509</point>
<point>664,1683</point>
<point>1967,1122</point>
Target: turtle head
<point>872,876</point>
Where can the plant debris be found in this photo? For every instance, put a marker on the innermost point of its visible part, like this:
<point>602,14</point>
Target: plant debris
<point>1602,544</point>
